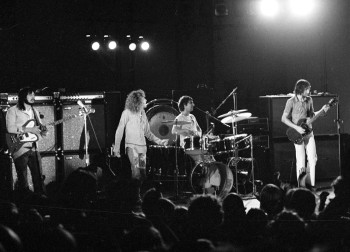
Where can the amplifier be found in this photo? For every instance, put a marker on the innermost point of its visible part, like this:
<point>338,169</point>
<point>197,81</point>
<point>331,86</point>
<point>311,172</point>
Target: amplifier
<point>83,96</point>
<point>254,126</point>
<point>13,98</point>
<point>261,141</point>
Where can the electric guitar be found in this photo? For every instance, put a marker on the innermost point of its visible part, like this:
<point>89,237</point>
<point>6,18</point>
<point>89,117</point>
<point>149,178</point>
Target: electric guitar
<point>16,140</point>
<point>297,138</point>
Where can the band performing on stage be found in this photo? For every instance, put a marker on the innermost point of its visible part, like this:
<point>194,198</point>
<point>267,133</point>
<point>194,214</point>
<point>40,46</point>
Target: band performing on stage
<point>208,161</point>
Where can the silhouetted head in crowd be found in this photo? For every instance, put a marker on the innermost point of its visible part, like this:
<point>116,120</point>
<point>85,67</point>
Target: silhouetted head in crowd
<point>288,197</point>
<point>341,186</point>
<point>9,214</point>
<point>150,202</point>
<point>204,216</point>
<point>271,200</point>
<point>142,238</point>
<point>10,240</point>
<point>58,239</point>
<point>257,221</point>
<point>80,187</point>
<point>167,209</point>
<point>233,207</point>
<point>303,202</point>
<point>288,232</point>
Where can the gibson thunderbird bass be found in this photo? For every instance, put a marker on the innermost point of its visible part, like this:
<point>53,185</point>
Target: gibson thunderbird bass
<point>297,138</point>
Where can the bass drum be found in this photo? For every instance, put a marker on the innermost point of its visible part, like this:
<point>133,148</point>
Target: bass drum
<point>156,115</point>
<point>212,178</point>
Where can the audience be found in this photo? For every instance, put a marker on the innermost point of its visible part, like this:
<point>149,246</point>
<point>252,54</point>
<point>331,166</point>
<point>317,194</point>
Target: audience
<point>79,216</point>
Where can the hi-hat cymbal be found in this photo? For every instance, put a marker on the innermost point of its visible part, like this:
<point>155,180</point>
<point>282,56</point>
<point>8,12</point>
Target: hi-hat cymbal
<point>236,118</point>
<point>232,112</point>
<point>179,123</point>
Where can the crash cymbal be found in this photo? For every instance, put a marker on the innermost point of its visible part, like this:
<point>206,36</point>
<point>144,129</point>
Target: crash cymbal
<point>232,112</point>
<point>179,123</point>
<point>236,118</point>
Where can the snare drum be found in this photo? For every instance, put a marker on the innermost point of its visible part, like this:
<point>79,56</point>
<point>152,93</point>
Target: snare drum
<point>196,145</point>
<point>236,142</point>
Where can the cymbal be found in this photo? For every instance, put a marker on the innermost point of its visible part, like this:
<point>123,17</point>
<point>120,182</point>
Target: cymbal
<point>236,118</point>
<point>232,112</point>
<point>179,123</point>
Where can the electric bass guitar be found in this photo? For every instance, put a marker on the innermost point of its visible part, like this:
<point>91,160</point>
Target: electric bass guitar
<point>16,140</point>
<point>297,138</point>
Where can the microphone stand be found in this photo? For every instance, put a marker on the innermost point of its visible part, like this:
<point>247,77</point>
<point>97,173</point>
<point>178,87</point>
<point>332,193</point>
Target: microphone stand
<point>87,158</point>
<point>212,117</point>
<point>233,92</point>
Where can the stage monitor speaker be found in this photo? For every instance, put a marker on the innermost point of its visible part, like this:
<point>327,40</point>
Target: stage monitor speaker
<point>273,107</point>
<point>327,166</point>
<point>49,167</point>
<point>73,138</point>
<point>47,115</point>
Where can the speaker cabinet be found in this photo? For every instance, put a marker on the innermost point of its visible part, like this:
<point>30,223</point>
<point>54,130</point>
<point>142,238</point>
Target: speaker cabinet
<point>73,134</point>
<point>345,155</point>
<point>47,115</point>
<point>6,179</point>
<point>72,162</point>
<point>273,107</point>
<point>327,166</point>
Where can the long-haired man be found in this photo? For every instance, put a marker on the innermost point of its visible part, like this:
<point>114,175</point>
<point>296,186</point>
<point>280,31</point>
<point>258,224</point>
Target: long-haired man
<point>135,123</point>
<point>27,154</point>
<point>300,106</point>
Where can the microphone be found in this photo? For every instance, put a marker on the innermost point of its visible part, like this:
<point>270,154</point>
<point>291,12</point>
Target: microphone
<point>86,110</point>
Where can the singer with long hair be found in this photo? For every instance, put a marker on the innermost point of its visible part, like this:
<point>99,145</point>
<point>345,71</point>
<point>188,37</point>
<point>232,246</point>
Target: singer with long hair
<point>135,123</point>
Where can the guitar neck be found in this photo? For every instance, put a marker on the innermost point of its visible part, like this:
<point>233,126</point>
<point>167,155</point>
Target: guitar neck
<point>315,117</point>
<point>61,120</point>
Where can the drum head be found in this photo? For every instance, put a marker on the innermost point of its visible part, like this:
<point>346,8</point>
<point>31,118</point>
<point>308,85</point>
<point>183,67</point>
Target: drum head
<point>156,115</point>
<point>212,178</point>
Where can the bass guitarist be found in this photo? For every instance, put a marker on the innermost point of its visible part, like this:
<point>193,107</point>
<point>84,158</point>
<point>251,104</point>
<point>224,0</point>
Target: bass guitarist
<point>298,107</point>
<point>27,154</point>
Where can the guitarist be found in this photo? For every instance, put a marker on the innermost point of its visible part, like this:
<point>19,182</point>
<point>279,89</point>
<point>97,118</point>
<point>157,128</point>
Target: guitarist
<point>300,106</point>
<point>27,155</point>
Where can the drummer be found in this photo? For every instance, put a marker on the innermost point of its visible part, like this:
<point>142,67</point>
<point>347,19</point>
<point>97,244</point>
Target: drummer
<point>186,106</point>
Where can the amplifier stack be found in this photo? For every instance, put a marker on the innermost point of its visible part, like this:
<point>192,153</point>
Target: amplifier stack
<point>63,149</point>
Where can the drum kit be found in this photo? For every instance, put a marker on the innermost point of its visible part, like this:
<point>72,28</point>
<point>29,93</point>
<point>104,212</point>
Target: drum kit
<point>215,169</point>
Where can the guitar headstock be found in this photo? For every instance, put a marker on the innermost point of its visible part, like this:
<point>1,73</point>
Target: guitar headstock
<point>333,101</point>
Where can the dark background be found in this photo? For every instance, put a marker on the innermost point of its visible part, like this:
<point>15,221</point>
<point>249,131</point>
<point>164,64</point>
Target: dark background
<point>193,51</point>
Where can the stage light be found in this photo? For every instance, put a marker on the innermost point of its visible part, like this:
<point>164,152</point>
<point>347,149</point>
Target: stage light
<point>95,46</point>
<point>144,45</point>
<point>301,7</point>
<point>132,46</point>
<point>112,45</point>
<point>269,8</point>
